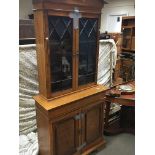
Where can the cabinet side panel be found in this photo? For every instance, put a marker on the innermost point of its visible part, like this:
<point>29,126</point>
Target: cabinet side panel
<point>40,25</point>
<point>102,116</point>
<point>44,134</point>
<point>93,124</point>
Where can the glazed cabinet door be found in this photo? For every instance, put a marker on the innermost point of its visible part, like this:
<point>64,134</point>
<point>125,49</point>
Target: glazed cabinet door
<point>88,34</point>
<point>60,34</point>
<point>66,136</point>
<point>92,125</point>
<point>72,51</point>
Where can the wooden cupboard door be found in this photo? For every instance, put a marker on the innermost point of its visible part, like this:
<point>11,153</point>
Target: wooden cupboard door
<point>66,136</point>
<point>93,123</point>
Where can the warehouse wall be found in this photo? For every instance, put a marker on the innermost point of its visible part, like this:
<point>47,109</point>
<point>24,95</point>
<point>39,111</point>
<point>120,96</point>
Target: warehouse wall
<point>119,7</point>
<point>114,7</point>
<point>25,8</point>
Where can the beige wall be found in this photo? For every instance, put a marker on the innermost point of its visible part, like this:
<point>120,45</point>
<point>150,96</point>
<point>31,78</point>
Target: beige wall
<point>115,6</point>
<point>25,8</point>
<point>119,7</point>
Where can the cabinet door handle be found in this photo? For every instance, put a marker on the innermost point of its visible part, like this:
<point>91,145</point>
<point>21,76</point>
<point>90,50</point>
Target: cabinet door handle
<point>77,117</point>
<point>82,115</point>
<point>47,38</point>
<point>79,131</point>
<point>74,54</point>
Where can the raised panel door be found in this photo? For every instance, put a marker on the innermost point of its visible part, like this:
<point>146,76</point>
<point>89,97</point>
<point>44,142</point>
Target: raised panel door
<point>93,124</point>
<point>66,139</point>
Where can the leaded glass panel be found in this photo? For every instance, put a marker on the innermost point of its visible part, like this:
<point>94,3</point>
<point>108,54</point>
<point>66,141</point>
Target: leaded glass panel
<point>60,43</point>
<point>87,50</point>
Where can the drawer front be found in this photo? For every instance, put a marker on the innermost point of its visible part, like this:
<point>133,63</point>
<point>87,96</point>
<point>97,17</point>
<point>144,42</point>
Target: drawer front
<point>63,110</point>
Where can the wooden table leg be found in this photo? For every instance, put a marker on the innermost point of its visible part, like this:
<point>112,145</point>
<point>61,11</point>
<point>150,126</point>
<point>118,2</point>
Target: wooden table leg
<point>127,119</point>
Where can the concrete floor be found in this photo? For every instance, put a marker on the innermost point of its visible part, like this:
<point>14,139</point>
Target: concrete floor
<point>122,144</point>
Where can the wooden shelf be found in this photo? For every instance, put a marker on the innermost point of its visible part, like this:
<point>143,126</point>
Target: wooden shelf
<point>128,17</point>
<point>128,21</point>
<point>128,27</point>
<point>128,49</point>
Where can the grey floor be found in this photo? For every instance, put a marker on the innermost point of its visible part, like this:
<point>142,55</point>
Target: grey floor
<point>122,144</point>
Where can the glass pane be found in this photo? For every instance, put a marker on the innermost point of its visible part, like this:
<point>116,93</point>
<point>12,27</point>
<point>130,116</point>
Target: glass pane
<point>87,50</point>
<point>89,78</point>
<point>60,42</point>
<point>126,38</point>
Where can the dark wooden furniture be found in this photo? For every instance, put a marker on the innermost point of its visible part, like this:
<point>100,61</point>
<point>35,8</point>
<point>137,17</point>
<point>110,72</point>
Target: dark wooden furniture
<point>126,121</point>
<point>72,124</point>
<point>118,40</point>
<point>127,72</point>
<point>26,31</point>
<point>128,29</point>
<point>70,104</point>
<point>125,66</point>
<point>64,30</point>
